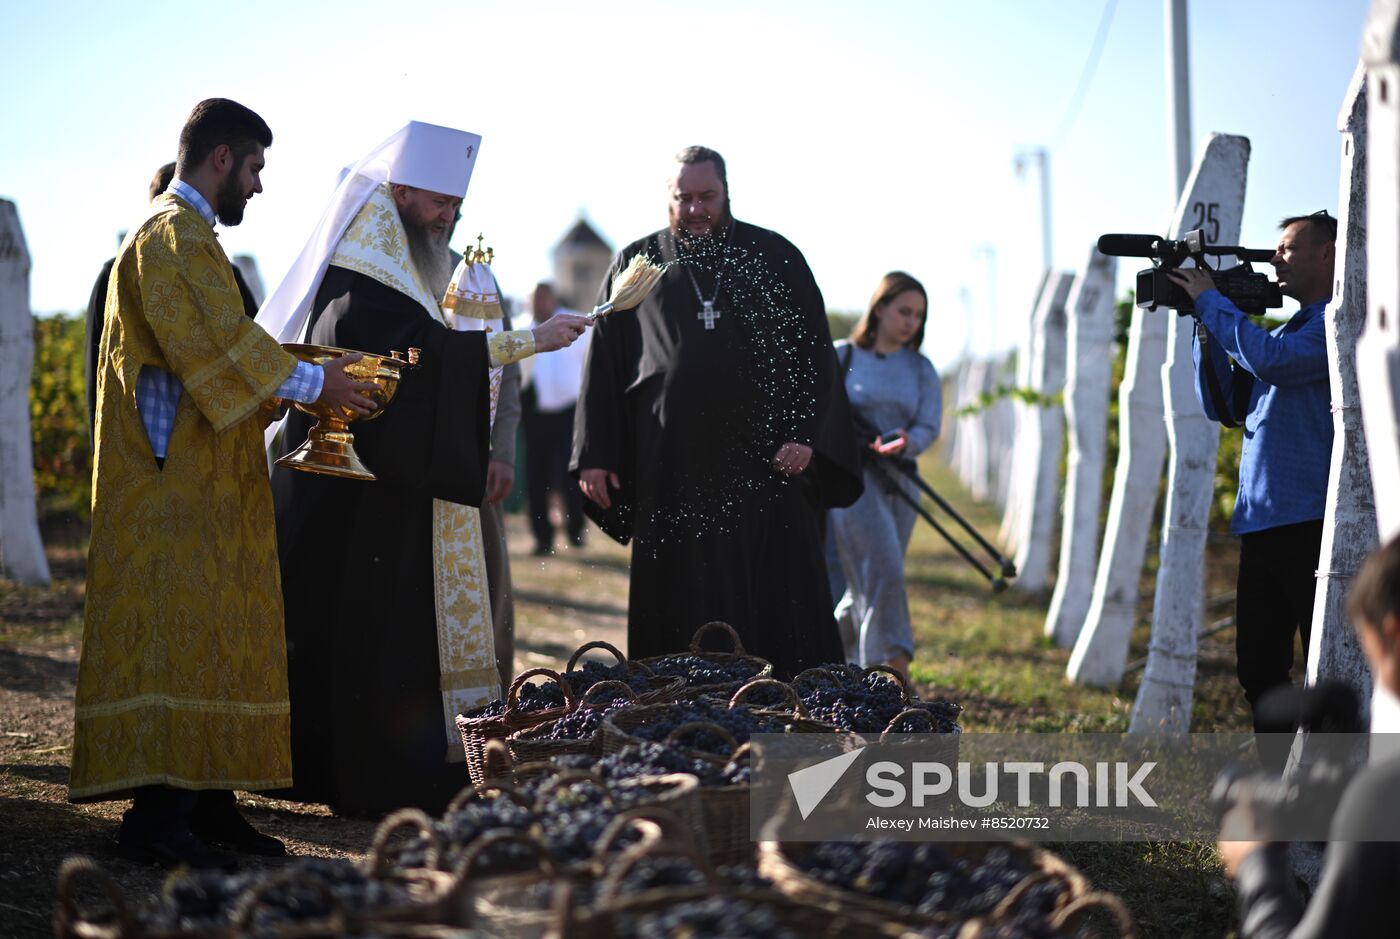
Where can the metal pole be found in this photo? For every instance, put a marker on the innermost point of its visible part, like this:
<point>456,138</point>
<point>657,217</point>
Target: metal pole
<point>1178,95</point>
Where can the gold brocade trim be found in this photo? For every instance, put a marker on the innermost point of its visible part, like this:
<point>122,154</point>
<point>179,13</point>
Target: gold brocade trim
<point>200,705</point>
<point>376,245</point>
<point>473,308</point>
<point>92,793</point>
<point>469,678</point>
<point>511,346</point>
<point>466,639</point>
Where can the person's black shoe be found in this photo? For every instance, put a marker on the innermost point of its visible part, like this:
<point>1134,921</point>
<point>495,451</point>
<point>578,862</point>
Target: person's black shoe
<point>175,848</point>
<point>576,541</point>
<point>227,828</point>
<point>542,551</point>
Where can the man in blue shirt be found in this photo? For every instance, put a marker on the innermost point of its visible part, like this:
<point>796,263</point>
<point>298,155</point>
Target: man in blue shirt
<point>1283,376</point>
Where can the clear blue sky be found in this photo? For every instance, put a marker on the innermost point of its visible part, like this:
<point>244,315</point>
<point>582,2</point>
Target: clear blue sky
<point>874,137</point>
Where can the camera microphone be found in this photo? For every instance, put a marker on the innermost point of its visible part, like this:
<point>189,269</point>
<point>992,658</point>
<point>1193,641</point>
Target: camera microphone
<point>1128,246</point>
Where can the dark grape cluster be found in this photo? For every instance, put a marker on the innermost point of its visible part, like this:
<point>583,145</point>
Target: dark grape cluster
<point>1016,929</point>
<point>579,724</point>
<point>741,722</point>
<point>867,704</point>
<point>926,878</point>
<point>645,758</point>
<point>705,670</point>
<point>456,831</point>
<point>589,673</point>
<point>205,900</point>
<point>720,917</point>
<point>533,698</point>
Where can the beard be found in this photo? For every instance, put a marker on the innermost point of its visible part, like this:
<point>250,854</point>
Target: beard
<point>231,199</point>
<point>719,225</point>
<point>429,254</point>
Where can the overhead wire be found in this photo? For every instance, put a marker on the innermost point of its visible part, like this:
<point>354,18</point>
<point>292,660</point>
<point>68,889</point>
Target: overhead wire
<point>1086,77</point>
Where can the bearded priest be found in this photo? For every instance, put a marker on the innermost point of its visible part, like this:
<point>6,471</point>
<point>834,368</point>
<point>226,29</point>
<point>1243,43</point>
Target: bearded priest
<point>389,631</point>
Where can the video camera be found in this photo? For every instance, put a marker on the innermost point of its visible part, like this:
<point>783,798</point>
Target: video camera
<point>1330,712</point>
<point>1250,291</point>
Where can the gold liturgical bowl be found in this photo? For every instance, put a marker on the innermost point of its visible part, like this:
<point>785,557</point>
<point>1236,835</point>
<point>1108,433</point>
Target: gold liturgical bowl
<point>330,447</point>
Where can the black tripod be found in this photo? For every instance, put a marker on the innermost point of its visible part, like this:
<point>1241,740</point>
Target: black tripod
<point>882,467</point>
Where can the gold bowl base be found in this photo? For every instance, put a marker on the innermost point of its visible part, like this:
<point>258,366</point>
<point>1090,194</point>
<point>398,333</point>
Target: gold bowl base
<point>329,452</point>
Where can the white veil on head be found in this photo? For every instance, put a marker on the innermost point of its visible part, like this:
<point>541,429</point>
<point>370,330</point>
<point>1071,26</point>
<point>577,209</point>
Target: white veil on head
<point>426,156</point>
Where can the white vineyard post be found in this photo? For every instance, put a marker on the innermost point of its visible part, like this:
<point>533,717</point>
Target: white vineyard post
<point>1087,378</point>
<point>1213,201</point>
<point>21,548</point>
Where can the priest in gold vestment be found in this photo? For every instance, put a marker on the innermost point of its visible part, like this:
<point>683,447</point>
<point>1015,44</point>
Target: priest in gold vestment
<point>182,693</point>
<point>383,657</point>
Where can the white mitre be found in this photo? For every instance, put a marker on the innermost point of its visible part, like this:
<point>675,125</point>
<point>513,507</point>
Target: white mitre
<point>425,156</point>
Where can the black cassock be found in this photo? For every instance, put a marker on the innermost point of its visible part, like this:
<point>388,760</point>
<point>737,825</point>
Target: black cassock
<point>368,732</point>
<point>690,418</point>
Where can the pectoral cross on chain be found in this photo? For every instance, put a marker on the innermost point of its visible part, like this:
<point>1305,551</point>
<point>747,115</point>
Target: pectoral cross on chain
<point>709,314</point>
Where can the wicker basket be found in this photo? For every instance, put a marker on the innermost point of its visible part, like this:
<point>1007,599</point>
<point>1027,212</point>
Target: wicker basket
<point>662,688</point>
<point>727,819</point>
<point>762,667</point>
<point>525,748</point>
<point>802,917</point>
<point>778,861</point>
<point>1060,923</point>
<point>619,726</point>
<point>477,731</point>
<point>68,921</point>
<point>505,904</point>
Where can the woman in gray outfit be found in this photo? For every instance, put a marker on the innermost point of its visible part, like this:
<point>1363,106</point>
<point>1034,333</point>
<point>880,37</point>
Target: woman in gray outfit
<point>895,391</point>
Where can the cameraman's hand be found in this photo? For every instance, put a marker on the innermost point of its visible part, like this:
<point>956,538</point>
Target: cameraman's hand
<point>1193,280</point>
<point>558,331</point>
<point>1233,853</point>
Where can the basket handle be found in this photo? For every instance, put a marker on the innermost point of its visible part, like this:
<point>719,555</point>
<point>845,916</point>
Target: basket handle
<point>900,680</point>
<point>742,752</point>
<point>248,902</point>
<point>476,790</point>
<point>378,860</point>
<point>489,840</point>
<point>712,626</point>
<point>67,916</point>
<point>496,760</point>
<point>612,685</point>
<point>816,671</point>
<point>691,726</point>
<point>794,702</point>
<point>1127,929</point>
<point>1008,903</point>
<point>513,695</point>
<point>638,818</point>
<point>618,871</point>
<point>565,777</point>
<point>908,712</point>
<point>589,646</point>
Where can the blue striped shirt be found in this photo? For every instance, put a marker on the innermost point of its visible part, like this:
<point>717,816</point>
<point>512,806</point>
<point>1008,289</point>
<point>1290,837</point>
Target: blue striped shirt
<point>158,391</point>
<point>1287,452</point>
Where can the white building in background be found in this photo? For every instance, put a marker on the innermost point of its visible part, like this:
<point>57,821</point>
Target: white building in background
<point>581,260</point>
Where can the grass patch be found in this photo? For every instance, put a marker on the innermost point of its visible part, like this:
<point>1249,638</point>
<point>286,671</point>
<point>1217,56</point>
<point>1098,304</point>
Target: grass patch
<point>989,653</point>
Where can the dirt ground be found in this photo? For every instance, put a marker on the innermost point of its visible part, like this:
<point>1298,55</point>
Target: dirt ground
<point>561,601</point>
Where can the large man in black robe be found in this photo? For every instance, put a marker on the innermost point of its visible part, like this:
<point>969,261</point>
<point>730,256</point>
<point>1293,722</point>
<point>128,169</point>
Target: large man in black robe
<point>712,432</point>
<point>369,732</point>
